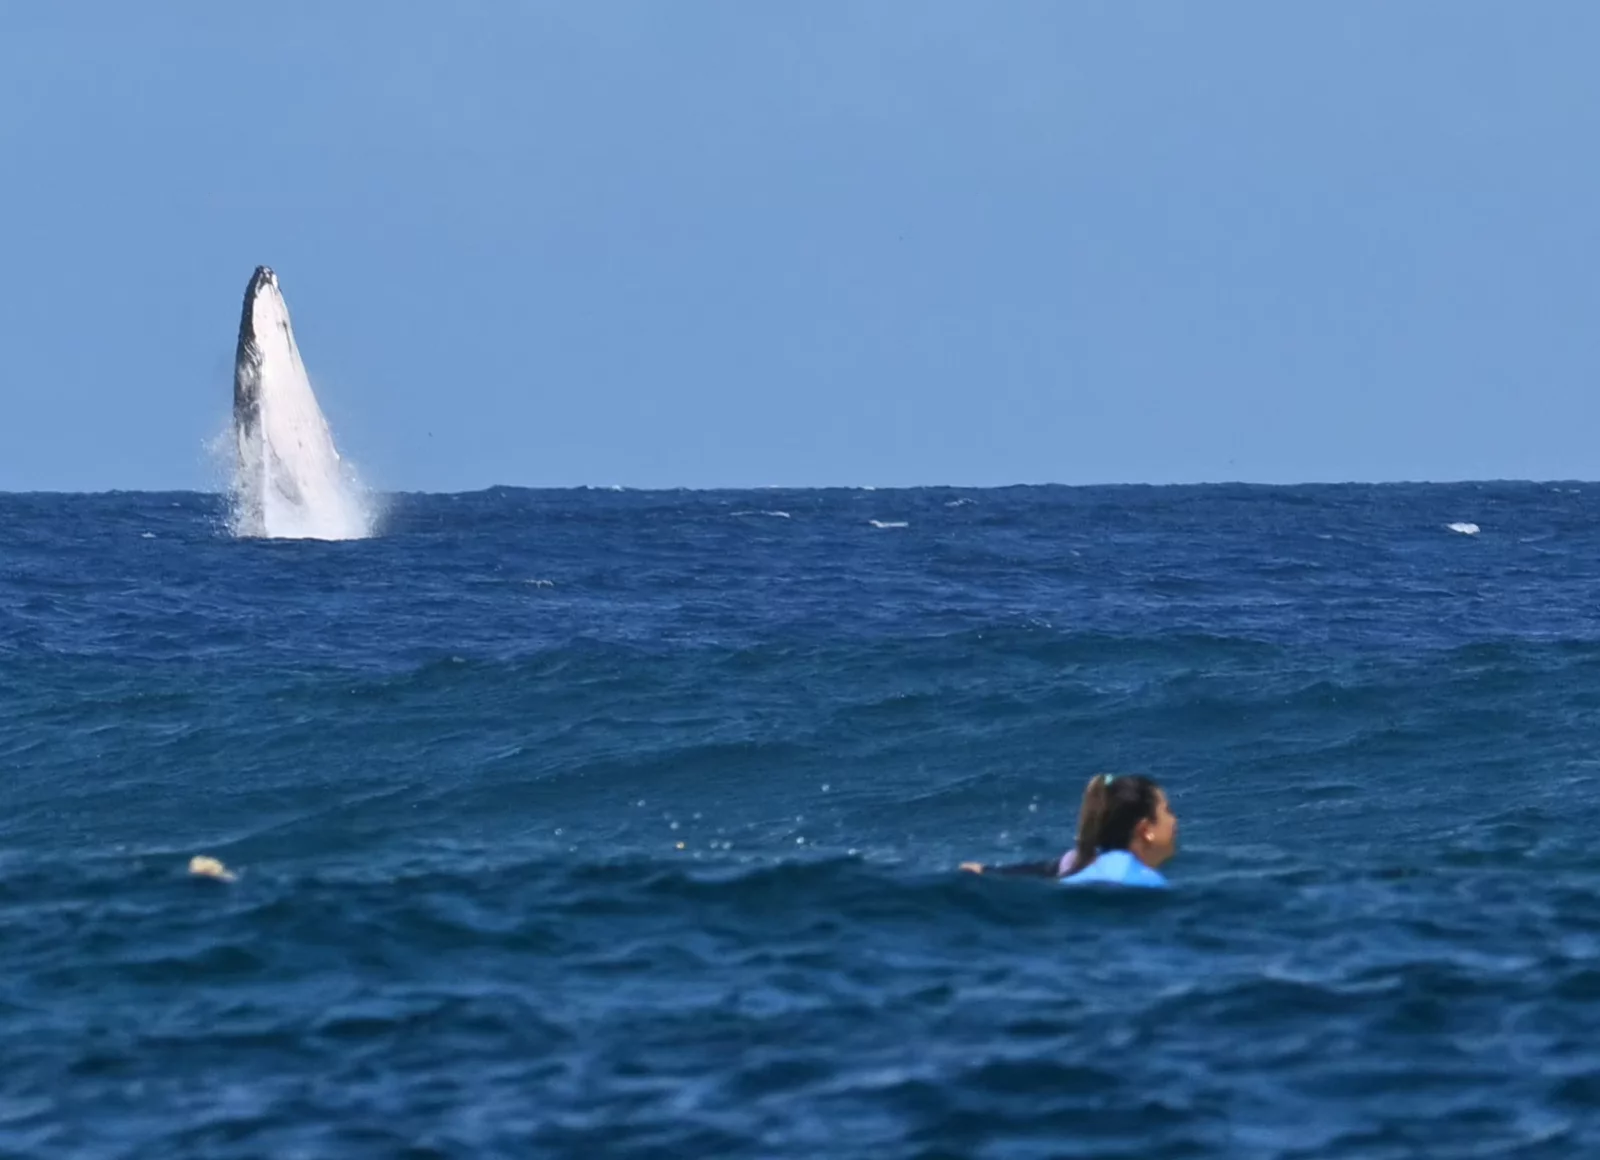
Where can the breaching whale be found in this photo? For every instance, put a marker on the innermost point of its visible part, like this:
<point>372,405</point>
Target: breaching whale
<point>289,481</point>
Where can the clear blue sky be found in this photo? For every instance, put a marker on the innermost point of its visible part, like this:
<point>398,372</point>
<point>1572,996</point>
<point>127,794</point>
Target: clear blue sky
<point>737,243</point>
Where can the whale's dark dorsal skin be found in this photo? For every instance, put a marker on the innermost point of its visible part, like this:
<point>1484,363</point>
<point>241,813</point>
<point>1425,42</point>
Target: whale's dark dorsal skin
<point>250,449</point>
<point>247,362</point>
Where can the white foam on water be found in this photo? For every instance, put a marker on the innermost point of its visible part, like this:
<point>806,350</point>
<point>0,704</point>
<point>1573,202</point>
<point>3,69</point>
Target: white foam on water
<point>889,523</point>
<point>1464,529</point>
<point>289,480</point>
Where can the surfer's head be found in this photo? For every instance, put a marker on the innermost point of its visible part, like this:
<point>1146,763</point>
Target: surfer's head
<point>1125,812</point>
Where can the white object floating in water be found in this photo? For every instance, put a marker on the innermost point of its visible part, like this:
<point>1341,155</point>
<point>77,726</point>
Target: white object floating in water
<point>889,523</point>
<point>206,867</point>
<point>1464,529</point>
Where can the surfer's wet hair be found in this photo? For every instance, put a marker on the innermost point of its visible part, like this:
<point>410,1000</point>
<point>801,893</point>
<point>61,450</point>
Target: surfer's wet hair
<point>1113,807</point>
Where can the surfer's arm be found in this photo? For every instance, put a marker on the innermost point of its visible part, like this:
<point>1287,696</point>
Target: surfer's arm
<point>1048,869</point>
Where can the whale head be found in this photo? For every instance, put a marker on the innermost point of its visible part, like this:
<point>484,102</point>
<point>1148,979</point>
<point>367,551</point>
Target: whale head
<point>247,357</point>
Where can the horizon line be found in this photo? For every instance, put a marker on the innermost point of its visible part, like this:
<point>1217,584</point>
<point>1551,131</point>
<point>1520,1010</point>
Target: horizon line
<point>722,488</point>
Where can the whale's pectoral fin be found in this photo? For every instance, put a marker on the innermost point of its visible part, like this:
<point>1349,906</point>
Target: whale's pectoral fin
<point>283,479</point>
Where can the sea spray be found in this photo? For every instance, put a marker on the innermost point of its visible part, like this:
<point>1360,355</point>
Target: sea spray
<point>289,480</point>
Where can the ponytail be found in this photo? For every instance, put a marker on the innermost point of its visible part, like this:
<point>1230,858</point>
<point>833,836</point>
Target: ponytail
<point>1091,818</point>
<point>1113,806</point>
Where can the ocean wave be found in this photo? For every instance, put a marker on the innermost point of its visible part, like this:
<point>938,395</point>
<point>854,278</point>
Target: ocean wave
<point>656,854</point>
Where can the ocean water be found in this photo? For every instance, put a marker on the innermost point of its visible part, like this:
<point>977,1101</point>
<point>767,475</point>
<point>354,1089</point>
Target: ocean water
<point>620,824</point>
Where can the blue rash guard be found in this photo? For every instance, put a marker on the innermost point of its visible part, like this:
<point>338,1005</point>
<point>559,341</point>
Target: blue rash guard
<point>1117,868</point>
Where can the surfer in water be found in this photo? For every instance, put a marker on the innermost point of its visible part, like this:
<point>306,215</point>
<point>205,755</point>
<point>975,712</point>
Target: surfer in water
<point>1126,830</point>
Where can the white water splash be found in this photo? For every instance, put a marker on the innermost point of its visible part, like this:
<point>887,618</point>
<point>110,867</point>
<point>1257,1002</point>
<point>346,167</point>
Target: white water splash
<point>289,480</point>
<point>1464,528</point>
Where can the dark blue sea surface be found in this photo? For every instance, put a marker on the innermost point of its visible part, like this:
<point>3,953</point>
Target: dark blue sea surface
<point>625,824</point>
